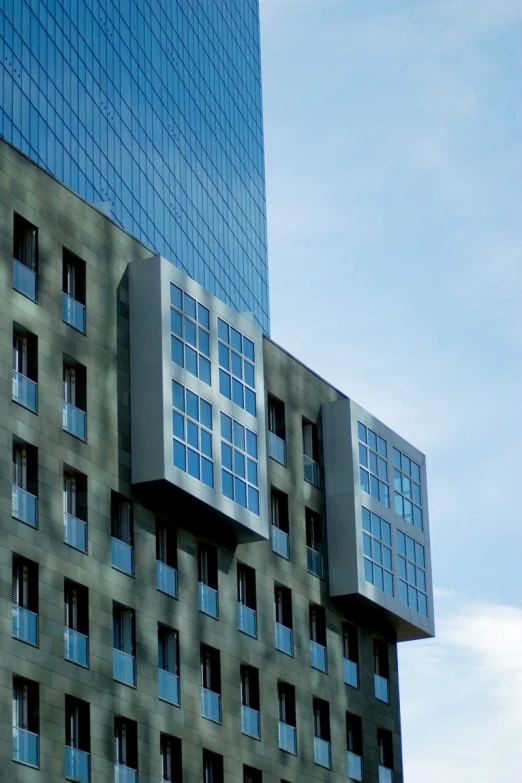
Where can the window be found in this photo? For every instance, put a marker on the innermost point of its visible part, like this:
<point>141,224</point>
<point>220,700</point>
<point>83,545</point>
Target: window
<point>276,430</point>
<point>166,558</point>
<point>168,663</point>
<point>246,600</point>
<point>385,743</point>
<point>212,767</point>
<point>25,600</point>
<point>25,483</point>
<point>236,367</point>
<point>354,748</point>
<point>251,775</point>
<point>122,542</point>
<point>311,453</point>
<point>77,739</point>
<point>75,399</point>
<point>208,580</point>
<point>26,722</point>
<point>170,749</point>
<point>287,717</point>
<point>125,748</point>
<point>192,431</point>
<point>318,654</point>
<point>412,573</point>
<point>239,459</point>
<point>76,622</point>
<point>190,334</point>
<point>73,298</point>
<point>75,509</point>
<point>280,523</point>
<point>250,708</point>
<point>314,543</point>
<point>381,675</point>
<point>351,655</point>
<point>283,627</point>
<point>25,368</point>
<point>407,488</point>
<point>377,551</point>
<point>25,258</point>
<point>210,683</point>
<point>373,465</point>
<point>124,662</point>
<point>322,750</point>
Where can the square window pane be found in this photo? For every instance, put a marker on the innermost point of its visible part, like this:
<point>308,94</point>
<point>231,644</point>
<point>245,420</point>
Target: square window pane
<point>361,430</point>
<point>408,511</point>
<point>386,532</point>
<point>176,322</point>
<point>419,554</point>
<point>178,425</point>
<point>368,570</point>
<point>239,464</point>
<point>381,446</point>
<point>203,316</point>
<point>178,396</point>
<point>193,463</point>
<point>248,369</point>
<point>401,542</point>
<point>377,552</point>
<point>251,444</point>
<point>226,427</point>
<point>189,306</point>
<point>399,508</point>
<point>373,462</point>
<point>180,455</point>
<point>384,494</point>
<point>224,384</point>
<point>250,401</point>
<point>367,545</point>
<point>388,583</point>
<point>403,592</point>
<point>175,295</point>
<point>191,360</point>
<point>223,331</point>
<point>376,525</point>
<point>205,414</point>
<point>227,483</point>
<point>239,436</point>
<point>412,598</point>
<point>396,457</point>
<point>207,472</point>
<point>365,480</point>
<point>366,520</point>
<point>248,349</point>
<point>190,332</point>
<point>372,439</point>
<point>203,341</point>
<point>253,500</point>
<point>423,604</point>
<point>406,464</point>
<point>387,558</point>
<point>192,405</point>
<point>402,568</point>
<point>237,365</point>
<point>378,577</point>
<point>204,370</point>
<point>240,492</point>
<point>374,487</point>
<point>252,472</point>
<point>235,340</point>
<point>417,517</point>
<point>176,351</point>
<point>363,455</point>
<point>237,393</point>
<point>206,443</point>
<point>415,471</point>
<point>224,356</point>
<point>226,455</point>
<point>192,434</point>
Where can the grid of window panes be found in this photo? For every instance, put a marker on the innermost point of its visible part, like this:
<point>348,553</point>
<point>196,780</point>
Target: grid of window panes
<point>190,334</point>
<point>373,464</point>
<point>154,107</point>
<point>377,548</point>
<point>240,466</point>
<point>407,489</point>
<point>236,367</point>
<point>412,573</point>
<point>192,431</point>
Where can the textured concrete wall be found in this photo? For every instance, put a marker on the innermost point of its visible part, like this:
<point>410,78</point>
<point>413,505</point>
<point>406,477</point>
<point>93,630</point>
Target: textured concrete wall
<point>65,221</point>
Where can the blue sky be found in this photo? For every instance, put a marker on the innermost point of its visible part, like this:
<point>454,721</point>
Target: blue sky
<point>393,137</point>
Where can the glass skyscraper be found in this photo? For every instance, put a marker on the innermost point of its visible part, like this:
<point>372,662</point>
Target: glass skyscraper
<point>155,107</point>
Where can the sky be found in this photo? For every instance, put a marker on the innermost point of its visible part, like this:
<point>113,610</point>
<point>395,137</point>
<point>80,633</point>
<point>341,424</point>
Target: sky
<point>393,142</point>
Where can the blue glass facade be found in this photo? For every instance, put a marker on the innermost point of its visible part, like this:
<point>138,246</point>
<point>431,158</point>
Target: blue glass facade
<point>155,106</point>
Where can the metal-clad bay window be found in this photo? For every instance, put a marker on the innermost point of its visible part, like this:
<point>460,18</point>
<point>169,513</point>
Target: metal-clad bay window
<point>192,431</point>
<point>377,550</point>
<point>236,367</point>
<point>190,334</point>
<point>373,470</point>
<point>239,459</point>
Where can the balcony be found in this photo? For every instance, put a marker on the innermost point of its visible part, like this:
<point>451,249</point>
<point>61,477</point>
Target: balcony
<point>280,542</point>
<point>25,625</point>
<point>322,754</point>
<point>123,774</point>
<point>385,774</point>
<point>75,532</point>
<point>74,421</point>
<point>76,647</point>
<point>122,556</point>
<point>311,471</point>
<point>318,656</point>
<point>26,747</point>
<point>168,686</point>
<point>351,672</point>
<point>208,600</point>
<point>76,764</point>
<point>250,723</point>
<point>24,280</point>
<point>284,639</point>
<point>25,391</point>
<point>24,506</point>
<point>381,688</point>
<point>354,766</point>
<point>247,620</point>
<point>166,579</point>
<point>315,562</point>
<point>277,448</point>
<point>211,705</point>
<point>124,667</point>
<point>73,313</point>
<point>287,737</point>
